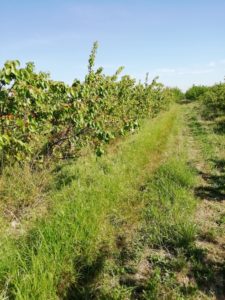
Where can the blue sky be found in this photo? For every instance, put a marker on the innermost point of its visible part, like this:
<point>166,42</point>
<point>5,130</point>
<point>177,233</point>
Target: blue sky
<point>181,41</point>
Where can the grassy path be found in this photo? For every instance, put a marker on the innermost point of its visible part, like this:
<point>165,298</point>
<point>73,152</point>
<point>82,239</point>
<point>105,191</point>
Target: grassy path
<point>145,221</point>
<point>178,250</point>
<point>47,263</point>
<point>209,160</point>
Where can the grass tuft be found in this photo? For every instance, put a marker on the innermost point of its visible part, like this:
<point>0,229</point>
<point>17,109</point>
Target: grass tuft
<point>171,204</point>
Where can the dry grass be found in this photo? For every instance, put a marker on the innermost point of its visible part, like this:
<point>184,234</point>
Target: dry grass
<point>23,192</point>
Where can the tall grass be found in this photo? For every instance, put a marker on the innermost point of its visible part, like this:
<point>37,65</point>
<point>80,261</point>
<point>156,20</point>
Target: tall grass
<point>22,189</point>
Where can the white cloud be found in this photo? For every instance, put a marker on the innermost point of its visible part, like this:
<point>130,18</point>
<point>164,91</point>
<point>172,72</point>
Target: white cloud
<point>222,61</point>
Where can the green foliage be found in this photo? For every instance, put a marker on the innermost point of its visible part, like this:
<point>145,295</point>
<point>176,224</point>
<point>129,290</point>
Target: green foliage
<point>195,92</point>
<point>177,94</point>
<point>213,101</point>
<point>42,118</point>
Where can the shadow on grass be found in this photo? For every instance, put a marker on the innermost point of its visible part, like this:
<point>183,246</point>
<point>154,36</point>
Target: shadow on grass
<point>220,127</point>
<point>196,127</point>
<point>186,101</point>
<point>209,275</point>
<point>64,175</point>
<point>215,188</point>
<point>88,274</point>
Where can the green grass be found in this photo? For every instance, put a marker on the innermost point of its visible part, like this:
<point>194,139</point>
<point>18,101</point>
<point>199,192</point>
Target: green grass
<point>169,215</point>
<point>166,239</point>
<point>210,141</point>
<point>170,227</point>
<point>105,220</point>
<point>167,243</point>
<point>89,196</point>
